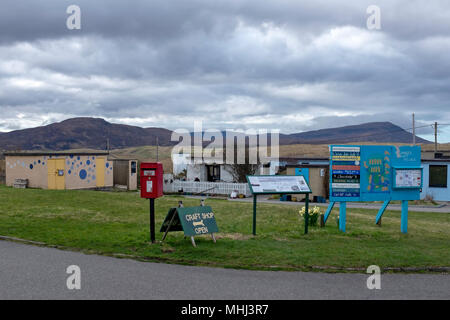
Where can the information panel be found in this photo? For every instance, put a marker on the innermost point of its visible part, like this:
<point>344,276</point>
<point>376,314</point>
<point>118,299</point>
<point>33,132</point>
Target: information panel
<point>346,172</point>
<point>375,173</point>
<point>408,178</point>
<point>278,184</point>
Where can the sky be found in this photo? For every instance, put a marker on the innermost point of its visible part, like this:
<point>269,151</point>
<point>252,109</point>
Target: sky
<point>241,64</point>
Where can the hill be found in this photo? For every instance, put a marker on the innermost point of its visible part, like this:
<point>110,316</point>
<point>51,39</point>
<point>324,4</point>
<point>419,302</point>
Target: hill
<point>80,133</point>
<point>93,133</point>
<point>367,132</point>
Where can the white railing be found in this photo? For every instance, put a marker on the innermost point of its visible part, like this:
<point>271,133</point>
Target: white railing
<point>223,188</point>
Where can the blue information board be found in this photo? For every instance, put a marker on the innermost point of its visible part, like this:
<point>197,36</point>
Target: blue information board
<point>374,173</point>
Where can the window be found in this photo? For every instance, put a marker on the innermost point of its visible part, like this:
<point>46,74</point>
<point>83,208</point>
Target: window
<point>213,173</point>
<point>438,177</point>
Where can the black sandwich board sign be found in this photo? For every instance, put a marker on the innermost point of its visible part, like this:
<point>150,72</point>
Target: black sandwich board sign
<point>270,184</point>
<point>193,221</point>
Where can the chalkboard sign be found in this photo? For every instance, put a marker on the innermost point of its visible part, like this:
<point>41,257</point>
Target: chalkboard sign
<point>193,221</point>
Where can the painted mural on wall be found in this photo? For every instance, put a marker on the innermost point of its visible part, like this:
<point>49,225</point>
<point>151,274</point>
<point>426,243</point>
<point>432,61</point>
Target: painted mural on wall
<point>79,171</point>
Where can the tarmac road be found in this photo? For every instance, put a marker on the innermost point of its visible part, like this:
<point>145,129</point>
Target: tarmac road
<point>32,272</point>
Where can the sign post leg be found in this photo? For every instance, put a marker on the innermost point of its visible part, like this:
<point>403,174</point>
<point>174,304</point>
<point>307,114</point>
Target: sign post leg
<point>170,224</point>
<point>342,215</point>
<point>254,214</point>
<point>152,220</point>
<point>213,237</point>
<point>380,213</point>
<point>193,242</point>
<point>327,213</point>
<point>306,213</point>
<point>404,220</point>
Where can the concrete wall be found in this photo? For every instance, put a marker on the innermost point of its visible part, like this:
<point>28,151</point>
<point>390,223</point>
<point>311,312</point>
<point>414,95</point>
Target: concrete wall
<point>438,194</point>
<point>225,173</point>
<point>196,171</point>
<point>79,171</point>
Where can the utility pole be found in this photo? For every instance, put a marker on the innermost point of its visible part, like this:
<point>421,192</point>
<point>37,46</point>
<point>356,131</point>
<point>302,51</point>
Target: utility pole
<point>157,151</point>
<point>414,129</point>
<point>435,136</point>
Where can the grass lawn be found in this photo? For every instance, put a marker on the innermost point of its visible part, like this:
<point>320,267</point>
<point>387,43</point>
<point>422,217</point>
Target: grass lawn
<point>114,223</point>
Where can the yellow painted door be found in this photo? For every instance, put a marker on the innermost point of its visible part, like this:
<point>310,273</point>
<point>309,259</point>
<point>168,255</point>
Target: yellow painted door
<point>60,174</point>
<point>51,167</point>
<point>56,174</point>
<point>100,172</point>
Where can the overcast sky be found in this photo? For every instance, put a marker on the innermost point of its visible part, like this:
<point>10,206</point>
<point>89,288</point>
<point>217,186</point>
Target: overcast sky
<point>288,65</point>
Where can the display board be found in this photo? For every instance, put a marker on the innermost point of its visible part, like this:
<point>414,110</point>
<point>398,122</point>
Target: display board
<point>193,221</point>
<point>407,178</point>
<point>375,173</point>
<point>278,184</point>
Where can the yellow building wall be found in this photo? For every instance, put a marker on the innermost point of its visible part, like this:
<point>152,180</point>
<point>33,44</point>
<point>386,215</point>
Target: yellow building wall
<point>80,172</point>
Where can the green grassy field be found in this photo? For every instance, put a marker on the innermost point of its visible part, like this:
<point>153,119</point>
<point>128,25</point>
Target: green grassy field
<point>116,223</point>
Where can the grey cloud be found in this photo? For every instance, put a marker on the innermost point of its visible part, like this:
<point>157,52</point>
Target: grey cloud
<point>231,63</point>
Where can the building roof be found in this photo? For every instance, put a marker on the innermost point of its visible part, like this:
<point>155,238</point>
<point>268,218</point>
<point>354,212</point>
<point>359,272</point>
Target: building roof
<point>56,153</point>
<point>443,160</point>
<point>307,165</point>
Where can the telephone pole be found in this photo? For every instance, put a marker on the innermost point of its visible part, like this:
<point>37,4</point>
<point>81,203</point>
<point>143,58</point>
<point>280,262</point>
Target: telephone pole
<point>435,137</point>
<point>414,129</point>
<point>157,151</point>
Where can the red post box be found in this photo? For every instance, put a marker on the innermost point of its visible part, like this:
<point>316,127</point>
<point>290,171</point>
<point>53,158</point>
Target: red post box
<point>151,180</point>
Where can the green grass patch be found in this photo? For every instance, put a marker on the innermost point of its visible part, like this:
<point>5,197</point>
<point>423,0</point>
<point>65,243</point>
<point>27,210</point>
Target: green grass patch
<point>114,223</point>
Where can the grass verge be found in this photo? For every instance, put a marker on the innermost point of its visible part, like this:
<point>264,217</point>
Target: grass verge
<point>116,224</point>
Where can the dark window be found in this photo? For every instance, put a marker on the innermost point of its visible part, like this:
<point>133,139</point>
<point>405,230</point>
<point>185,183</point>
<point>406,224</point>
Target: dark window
<point>133,167</point>
<point>213,173</point>
<point>438,177</point>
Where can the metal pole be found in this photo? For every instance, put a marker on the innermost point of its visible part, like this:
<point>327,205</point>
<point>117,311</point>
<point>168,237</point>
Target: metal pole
<point>254,214</point>
<point>306,213</point>
<point>152,220</point>
<point>414,129</point>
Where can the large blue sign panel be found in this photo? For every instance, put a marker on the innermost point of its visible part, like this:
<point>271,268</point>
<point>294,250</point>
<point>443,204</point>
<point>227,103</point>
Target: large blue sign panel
<point>375,173</point>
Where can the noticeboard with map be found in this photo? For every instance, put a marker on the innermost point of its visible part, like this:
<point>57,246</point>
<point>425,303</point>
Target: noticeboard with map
<point>278,184</point>
<point>408,178</point>
<point>368,173</point>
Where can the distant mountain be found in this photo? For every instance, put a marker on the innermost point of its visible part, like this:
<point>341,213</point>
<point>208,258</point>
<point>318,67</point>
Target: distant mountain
<point>366,132</point>
<point>78,133</point>
<point>93,133</point>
